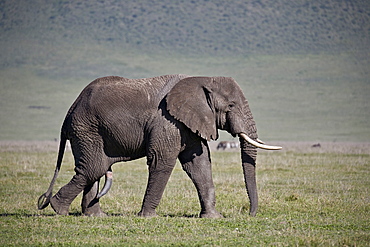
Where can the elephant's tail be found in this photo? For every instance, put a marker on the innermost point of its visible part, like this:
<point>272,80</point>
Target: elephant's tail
<point>44,199</point>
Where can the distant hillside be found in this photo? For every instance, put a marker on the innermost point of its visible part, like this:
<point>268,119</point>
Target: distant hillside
<point>213,27</point>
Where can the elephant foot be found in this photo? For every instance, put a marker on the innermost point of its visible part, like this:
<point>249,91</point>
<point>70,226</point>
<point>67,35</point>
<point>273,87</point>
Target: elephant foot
<point>58,208</point>
<point>143,213</point>
<point>92,208</point>
<point>211,215</point>
<point>100,213</point>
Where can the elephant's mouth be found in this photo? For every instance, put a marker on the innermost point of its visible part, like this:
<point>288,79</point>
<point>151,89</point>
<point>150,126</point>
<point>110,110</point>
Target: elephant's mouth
<point>258,143</point>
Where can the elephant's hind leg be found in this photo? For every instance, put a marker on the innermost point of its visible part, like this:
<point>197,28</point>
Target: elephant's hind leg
<point>61,201</point>
<point>91,165</point>
<point>90,204</point>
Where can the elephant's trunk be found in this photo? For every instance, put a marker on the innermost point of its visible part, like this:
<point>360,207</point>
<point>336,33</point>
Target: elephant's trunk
<point>248,155</point>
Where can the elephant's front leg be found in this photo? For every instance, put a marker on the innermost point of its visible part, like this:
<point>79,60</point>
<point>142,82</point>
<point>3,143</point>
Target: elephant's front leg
<point>160,169</point>
<point>197,164</point>
<point>90,204</point>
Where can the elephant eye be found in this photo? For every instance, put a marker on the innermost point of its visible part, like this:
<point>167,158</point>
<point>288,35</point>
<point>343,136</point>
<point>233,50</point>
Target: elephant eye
<point>230,106</point>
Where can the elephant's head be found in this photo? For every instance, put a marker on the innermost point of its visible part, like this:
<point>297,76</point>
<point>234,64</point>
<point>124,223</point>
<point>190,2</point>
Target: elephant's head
<point>206,104</point>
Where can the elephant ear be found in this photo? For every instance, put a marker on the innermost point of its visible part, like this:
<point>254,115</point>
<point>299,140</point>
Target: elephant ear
<point>190,102</point>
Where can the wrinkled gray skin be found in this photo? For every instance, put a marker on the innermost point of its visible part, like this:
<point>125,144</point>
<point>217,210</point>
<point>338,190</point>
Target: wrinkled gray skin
<point>163,118</point>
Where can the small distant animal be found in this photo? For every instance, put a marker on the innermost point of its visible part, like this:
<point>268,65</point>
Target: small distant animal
<point>317,145</point>
<point>227,144</point>
<point>38,107</point>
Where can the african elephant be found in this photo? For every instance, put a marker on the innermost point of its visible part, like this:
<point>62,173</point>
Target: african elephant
<point>164,118</point>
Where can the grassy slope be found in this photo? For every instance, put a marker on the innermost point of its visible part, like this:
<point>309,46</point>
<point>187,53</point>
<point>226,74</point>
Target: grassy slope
<point>314,197</point>
<point>207,27</point>
<point>303,66</point>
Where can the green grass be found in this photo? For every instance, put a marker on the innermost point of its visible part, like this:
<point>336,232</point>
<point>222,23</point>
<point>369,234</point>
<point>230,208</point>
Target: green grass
<point>308,197</point>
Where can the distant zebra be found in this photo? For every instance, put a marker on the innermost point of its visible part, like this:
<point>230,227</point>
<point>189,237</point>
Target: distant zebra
<point>227,144</point>
<point>318,145</point>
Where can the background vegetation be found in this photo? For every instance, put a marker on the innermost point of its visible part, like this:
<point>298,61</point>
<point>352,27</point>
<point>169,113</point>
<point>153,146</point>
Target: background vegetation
<point>303,65</point>
<point>210,27</point>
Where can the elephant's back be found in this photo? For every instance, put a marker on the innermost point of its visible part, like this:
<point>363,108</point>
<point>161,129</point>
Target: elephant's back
<point>115,97</point>
<point>143,93</point>
<point>122,93</point>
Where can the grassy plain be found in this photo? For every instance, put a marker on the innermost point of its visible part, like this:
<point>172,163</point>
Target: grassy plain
<point>308,197</point>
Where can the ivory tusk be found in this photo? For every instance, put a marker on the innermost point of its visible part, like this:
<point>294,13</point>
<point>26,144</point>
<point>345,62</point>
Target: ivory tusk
<point>257,144</point>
